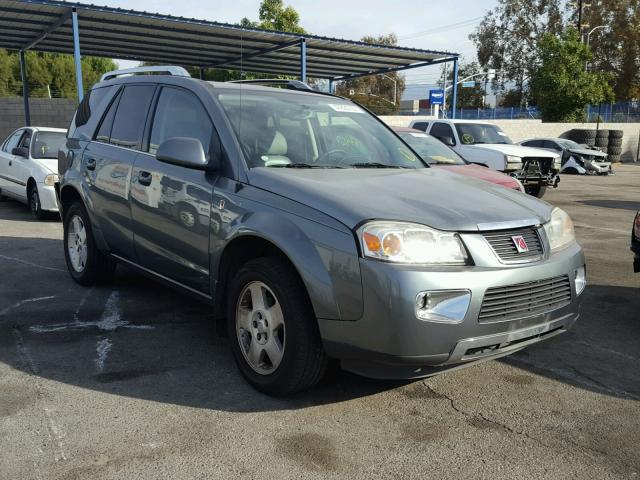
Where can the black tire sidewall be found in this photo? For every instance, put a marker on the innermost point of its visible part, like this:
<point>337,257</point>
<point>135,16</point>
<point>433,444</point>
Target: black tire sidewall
<point>297,313</point>
<point>37,213</point>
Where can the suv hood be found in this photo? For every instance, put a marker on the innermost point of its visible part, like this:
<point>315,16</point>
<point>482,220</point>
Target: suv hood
<point>588,153</point>
<point>430,196</point>
<point>515,150</point>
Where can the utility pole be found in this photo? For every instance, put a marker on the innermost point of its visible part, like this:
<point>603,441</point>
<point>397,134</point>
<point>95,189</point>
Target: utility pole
<point>580,18</point>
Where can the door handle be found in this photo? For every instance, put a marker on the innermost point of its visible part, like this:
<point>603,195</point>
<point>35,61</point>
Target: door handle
<point>144,178</point>
<point>10,162</point>
<point>91,163</point>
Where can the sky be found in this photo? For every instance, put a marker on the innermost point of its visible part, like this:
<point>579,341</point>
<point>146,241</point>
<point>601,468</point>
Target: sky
<point>431,25</point>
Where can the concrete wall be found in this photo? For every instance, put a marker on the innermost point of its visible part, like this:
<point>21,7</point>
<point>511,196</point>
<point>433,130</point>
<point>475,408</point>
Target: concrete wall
<point>45,112</point>
<point>519,130</point>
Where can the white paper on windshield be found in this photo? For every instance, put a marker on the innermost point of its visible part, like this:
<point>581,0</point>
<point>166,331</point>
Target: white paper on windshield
<point>501,133</point>
<point>346,108</point>
<point>418,134</point>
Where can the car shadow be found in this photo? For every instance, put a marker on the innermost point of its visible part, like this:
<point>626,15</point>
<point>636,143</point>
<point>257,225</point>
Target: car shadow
<point>138,338</point>
<point>616,204</point>
<point>15,210</point>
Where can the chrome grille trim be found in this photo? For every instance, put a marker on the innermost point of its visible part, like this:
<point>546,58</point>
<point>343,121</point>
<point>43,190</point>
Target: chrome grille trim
<point>504,247</point>
<point>525,299</point>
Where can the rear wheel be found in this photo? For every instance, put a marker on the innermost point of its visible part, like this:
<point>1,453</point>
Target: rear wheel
<point>273,330</point>
<point>87,265</point>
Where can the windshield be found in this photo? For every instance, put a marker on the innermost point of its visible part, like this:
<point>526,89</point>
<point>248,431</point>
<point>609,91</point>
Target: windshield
<point>285,130</point>
<point>475,133</point>
<point>569,144</point>
<point>47,144</point>
<point>431,150</point>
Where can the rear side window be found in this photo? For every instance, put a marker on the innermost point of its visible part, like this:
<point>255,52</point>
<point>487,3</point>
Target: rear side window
<point>130,116</point>
<point>180,114</point>
<point>104,132</point>
<point>421,126</point>
<point>442,130</point>
<point>84,120</point>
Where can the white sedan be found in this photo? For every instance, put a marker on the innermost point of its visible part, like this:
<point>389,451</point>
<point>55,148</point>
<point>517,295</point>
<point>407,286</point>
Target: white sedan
<point>29,167</point>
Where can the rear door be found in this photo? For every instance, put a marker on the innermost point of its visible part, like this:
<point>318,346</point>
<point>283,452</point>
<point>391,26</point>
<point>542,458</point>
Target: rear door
<point>7,181</point>
<point>108,161</point>
<point>171,205</point>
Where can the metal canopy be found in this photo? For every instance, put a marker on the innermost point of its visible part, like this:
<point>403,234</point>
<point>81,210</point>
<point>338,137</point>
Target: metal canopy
<point>66,27</point>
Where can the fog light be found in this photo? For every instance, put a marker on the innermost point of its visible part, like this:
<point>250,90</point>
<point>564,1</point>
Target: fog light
<point>443,306</point>
<point>581,280</point>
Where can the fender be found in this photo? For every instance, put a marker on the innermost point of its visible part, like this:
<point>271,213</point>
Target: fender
<point>326,259</point>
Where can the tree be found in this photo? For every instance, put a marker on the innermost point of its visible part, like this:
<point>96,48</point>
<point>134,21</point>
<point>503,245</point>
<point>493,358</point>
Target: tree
<point>274,15</point>
<point>616,48</point>
<point>376,92</point>
<point>507,38</point>
<point>49,73</point>
<point>468,97</point>
<point>561,87</point>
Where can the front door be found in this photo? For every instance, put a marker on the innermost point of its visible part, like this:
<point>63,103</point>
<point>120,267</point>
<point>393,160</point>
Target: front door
<point>8,166</point>
<point>171,205</point>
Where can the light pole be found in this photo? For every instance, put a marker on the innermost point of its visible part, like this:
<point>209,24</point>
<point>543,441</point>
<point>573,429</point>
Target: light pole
<point>586,64</point>
<point>395,86</point>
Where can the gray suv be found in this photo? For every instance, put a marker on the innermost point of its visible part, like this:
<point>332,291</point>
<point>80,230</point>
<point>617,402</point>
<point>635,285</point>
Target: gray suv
<point>317,233</point>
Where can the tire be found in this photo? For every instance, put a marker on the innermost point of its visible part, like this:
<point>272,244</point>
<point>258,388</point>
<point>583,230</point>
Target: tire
<point>302,362</point>
<point>187,216</point>
<point>616,151</point>
<point>602,133</point>
<point>570,171</point>
<point>34,203</point>
<point>536,190</point>
<point>614,158</point>
<point>97,268</point>
<point>602,142</point>
<point>615,134</point>
<point>615,142</point>
<point>588,133</point>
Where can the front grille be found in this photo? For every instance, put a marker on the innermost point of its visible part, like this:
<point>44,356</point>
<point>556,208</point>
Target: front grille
<point>503,244</point>
<point>537,165</point>
<point>525,299</point>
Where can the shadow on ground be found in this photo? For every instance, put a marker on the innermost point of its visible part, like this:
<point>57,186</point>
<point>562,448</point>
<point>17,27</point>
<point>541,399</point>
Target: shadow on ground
<point>140,339</point>
<point>615,204</point>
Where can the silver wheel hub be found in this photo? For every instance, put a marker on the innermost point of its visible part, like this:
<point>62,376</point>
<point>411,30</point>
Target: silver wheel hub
<point>77,244</point>
<point>260,328</point>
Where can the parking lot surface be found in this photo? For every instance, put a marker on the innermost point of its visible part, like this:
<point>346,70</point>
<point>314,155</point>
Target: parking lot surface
<point>129,381</point>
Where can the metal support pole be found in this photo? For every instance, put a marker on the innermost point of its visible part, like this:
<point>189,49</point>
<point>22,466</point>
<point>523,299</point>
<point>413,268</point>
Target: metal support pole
<point>201,73</point>
<point>76,54</point>
<point>331,86</point>
<point>454,95</point>
<point>303,60</point>
<point>25,89</point>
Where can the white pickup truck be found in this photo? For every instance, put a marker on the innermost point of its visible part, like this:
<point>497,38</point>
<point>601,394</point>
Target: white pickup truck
<point>485,144</point>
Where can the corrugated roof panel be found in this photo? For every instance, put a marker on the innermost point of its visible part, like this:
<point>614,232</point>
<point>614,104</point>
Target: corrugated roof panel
<point>129,34</point>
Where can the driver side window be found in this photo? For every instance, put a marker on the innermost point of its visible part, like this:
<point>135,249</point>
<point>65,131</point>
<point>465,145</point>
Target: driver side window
<point>12,142</point>
<point>440,130</point>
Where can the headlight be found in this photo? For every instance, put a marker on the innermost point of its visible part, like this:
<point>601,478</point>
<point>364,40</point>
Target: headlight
<point>513,162</point>
<point>51,180</point>
<point>559,230</point>
<point>411,243</point>
<point>557,163</point>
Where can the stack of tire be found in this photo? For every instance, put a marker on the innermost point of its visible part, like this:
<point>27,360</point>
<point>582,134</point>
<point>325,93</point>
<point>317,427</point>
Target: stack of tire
<point>584,136</point>
<point>614,147</point>
<point>609,141</point>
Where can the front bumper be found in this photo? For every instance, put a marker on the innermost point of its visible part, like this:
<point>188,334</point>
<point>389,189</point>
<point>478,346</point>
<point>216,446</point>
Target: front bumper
<point>48,200</point>
<point>389,341</point>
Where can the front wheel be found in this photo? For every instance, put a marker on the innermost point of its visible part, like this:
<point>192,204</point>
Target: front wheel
<point>34,202</point>
<point>87,265</point>
<point>536,190</point>
<point>273,330</point>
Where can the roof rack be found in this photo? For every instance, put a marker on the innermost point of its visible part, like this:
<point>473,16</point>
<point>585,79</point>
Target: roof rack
<point>277,82</point>
<point>167,70</point>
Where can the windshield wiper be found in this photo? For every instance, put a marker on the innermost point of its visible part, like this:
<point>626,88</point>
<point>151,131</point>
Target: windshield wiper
<point>374,165</point>
<point>302,165</point>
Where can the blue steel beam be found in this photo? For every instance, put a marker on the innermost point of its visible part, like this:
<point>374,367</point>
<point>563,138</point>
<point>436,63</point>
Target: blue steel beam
<point>76,54</point>
<point>303,60</point>
<point>396,69</point>
<point>25,89</point>
<point>454,94</point>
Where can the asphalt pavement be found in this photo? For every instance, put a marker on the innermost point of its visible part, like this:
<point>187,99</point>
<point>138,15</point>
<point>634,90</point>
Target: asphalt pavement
<point>130,382</point>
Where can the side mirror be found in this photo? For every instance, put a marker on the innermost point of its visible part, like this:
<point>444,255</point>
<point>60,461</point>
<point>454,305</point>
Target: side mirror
<point>20,152</point>
<point>448,141</point>
<point>185,152</point>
